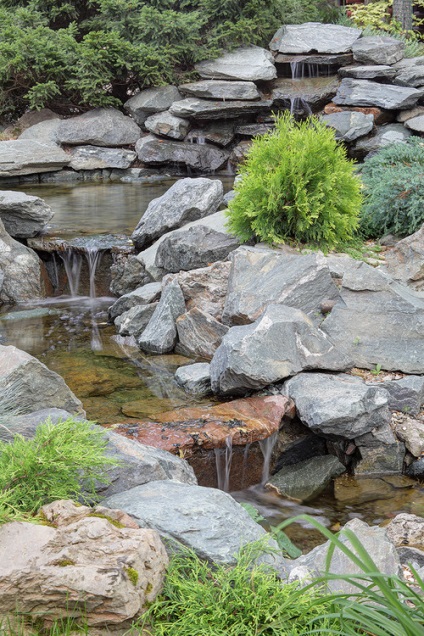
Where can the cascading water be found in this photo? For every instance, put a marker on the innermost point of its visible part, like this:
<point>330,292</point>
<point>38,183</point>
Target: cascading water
<point>298,105</point>
<point>267,446</point>
<point>223,459</point>
<point>72,262</point>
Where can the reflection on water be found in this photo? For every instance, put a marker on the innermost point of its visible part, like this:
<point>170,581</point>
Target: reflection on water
<point>116,383</point>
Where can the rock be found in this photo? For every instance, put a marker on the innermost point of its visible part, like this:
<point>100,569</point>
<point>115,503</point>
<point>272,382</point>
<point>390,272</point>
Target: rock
<point>221,89</point>
<point>160,335</point>
<point>338,405</point>
<point>306,480</point>
<point>21,156</point>
<point>195,378</point>
<point>99,127</point>
<point>310,92</point>
<point>314,37</point>
<point>404,115</point>
<point>381,460</point>
<point>189,429</point>
<point>20,271</point>
<point>143,295</point>
<point>44,132</point>
<point>405,395</point>
<point>377,321</point>
<point>239,152</point>
<point>406,529</point>
<point>23,215</point>
<point>354,92</point>
<point>371,72</point>
<point>262,276</point>
<point>416,469</point>
<point>412,556</point>
<point>95,158</point>
<point>147,257</point>
<point>249,64</point>
<point>378,49</point>
<point>28,384</point>
<point>151,100</point>
<point>140,464</point>
<point>390,134</point>
<point>27,120</point>
<point>405,262</point>
<point>204,158</point>
<point>411,432</point>
<point>127,274</point>
<point>330,63</point>
<point>349,125</point>
<point>187,200</point>
<point>199,334</point>
<point>167,125</point>
<point>253,130</point>
<point>374,541</point>
<point>206,288</point>
<point>416,123</point>
<point>220,133</point>
<point>381,117</point>
<point>134,321</point>
<point>194,248</point>
<point>281,343</point>
<point>349,490</point>
<point>197,108</point>
<point>411,76</point>
<point>117,571</point>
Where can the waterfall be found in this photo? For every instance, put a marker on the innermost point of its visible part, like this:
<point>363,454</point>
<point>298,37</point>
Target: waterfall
<point>267,446</point>
<point>93,256</point>
<point>223,459</point>
<point>72,262</point>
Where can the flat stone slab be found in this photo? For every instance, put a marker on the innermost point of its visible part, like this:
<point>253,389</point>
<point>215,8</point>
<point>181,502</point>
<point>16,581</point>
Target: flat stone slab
<point>99,127</point>
<point>203,158</point>
<point>314,37</point>
<point>197,108</point>
<point>221,89</point>
<point>370,72</point>
<point>167,125</point>
<point>306,480</point>
<point>378,49</point>
<point>365,93</point>
<point>25,156</point>
<point>98,158</point>
<point>246,63</point>
<point>151,100</point>
<point>349,125</point>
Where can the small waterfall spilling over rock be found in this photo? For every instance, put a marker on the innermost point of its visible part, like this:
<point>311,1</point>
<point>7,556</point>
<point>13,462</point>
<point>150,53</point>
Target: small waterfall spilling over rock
<point>72,262</point>
<point>298,105</point>
<point>267,446</point>
<point>223,458</point>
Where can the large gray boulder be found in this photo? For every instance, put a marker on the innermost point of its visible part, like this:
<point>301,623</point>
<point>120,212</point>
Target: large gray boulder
<point>27,385</point>
<point>151,100</point>
<point>167,125</point>
<point>207,520</point>
<point>99,127</point>
<point>389,134</point>
<point>405,395</point>
<point>262,276</point>
<point>314,37</point>
<point>405,262</point>
<point>45,131</point>
<point>221,89</point>
<point>20,271</point>
<point>349,125</point>
<point>134,321</point>
<point>378,49</point>
<point>203,158</point>
<point>281,343</point>
<point>22,156</point>
<point>194,248</point>
<point>249,64</point>
<point>377,321</point>
<point>160,335</point>
<point>143,295</point>
<point>95,158</point>
<point>23,216</point>
<point>197,108</point>
<point>375,542</point>
<point>354,92</point>
<point>199,334</point>
<point>338,405</point>
<point>307,479</point>
<point>185,201</point>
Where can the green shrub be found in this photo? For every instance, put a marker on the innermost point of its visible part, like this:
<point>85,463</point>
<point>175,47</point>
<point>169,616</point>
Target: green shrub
<point>394,190</point>
<point>62,461</point>
<point>296,185</point>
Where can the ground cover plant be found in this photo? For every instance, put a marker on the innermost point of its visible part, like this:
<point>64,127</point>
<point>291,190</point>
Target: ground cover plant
<point>394,190</point>
<point>296,184</point>
<point>62,461</point>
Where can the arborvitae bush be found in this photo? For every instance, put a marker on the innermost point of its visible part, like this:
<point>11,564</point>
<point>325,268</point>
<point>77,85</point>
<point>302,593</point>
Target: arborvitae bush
<point>394,190</point>
<point>296,185</point>
<point>62,461</point>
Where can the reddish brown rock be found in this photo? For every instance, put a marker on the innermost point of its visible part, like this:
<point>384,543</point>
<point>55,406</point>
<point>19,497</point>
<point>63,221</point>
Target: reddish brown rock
<point>380,116</point>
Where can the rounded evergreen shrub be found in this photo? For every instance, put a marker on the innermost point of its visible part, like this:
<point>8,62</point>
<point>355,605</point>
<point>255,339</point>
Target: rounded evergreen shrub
<point>394,190</point>
<point>296,185</point>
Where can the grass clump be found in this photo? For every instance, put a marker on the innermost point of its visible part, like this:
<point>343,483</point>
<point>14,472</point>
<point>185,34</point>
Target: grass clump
<point>296,185</point>
<point>63,461</point>
<point>394,190</point>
